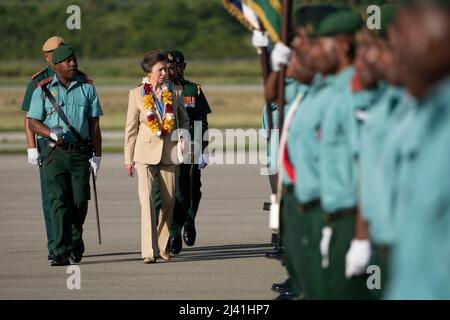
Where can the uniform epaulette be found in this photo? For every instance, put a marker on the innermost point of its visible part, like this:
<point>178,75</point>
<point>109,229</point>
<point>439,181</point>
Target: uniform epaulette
<point>194,83</point>
<point>37,74</point>
<point>34,76</point>
<point>84,76</point>
<point>45,81</point>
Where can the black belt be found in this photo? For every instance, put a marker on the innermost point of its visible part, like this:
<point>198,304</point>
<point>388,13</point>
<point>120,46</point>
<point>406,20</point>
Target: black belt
<point>330,217</point>
<point>81,146</point>
<point>288,188</point>
<point>307,206</point>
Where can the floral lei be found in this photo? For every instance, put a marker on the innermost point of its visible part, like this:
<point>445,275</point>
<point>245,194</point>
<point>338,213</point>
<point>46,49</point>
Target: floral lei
<point>158,128</point>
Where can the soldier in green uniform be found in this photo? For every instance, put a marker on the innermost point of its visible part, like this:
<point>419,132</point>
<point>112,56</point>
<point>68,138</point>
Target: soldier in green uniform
<point>302,216</point>
<point>71,151</point>
<point>418,165</point>
<point>189,182</point>
<point>296,84</point>
<point>379,107</point>
<point>334,57</point>
<point>32,147</point>
<point>302,76</point>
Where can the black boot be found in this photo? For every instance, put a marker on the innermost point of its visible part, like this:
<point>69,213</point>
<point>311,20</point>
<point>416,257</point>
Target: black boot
<point>60,260</point>
<point>286,294</point>
<point>189,234</point>
<point>51,256</point>
<point>175,244</point>
<point>279,287</point>
<point>77,252</point>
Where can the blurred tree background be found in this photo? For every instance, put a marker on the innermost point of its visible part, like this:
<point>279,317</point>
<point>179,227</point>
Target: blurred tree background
<point>113,38</point>
<point>120,28</point>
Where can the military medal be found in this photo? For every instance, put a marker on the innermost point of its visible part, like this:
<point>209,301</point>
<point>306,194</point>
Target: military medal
<point>189,102</point>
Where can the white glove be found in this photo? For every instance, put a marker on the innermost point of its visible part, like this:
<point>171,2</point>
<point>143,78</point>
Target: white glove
<point>357,258</point>
<point>204,161</point>
<point>33,156</point>
<point>95,164</point>
<point>327,232</point>
<point>260,39</point>
<point>274,216</point>
<point>54,136</point>
<point>279,55</point>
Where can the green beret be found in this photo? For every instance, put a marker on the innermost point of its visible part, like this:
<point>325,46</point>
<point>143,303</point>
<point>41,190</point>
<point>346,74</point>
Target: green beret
<point>340,22</point>
<point>365,3</point>
<point>310,16</point>
<point>313,13</point>
<point>62,53</point>
<point>387,15</point>
<point>445,4</point>
<point>388,12</point>
<point>178,56</point>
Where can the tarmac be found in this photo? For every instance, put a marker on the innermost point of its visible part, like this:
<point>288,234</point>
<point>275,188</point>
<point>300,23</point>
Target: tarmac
<point>226,263</point>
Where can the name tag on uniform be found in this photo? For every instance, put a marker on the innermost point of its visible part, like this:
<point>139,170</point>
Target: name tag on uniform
<point>189,102</point>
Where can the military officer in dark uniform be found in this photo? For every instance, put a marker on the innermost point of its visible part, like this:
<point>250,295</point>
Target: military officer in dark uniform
<point>188,195</point>
<point>32,146</point>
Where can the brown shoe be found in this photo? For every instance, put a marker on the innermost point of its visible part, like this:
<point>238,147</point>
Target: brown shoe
<point>165,256</point>
<point>149,260</point>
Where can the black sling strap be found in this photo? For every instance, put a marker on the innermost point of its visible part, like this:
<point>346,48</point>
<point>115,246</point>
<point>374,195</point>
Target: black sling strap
<point>60,112</point>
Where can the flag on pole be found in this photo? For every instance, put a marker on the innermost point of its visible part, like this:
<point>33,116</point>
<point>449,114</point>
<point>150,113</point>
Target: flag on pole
<point>269,12</point>
<point>242,13</point>
<point>250,15</point>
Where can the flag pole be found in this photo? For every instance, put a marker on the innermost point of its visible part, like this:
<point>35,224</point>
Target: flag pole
<point>285,22</point>
<point>264,59</point>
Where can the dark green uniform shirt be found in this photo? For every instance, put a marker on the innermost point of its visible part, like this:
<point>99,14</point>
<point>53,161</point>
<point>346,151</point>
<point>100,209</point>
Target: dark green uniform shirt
<point>196,105</point>
<point>33,84</point>
<point>194,99</point>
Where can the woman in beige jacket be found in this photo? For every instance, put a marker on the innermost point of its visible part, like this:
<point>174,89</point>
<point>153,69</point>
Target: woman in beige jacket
<point>155,110</point>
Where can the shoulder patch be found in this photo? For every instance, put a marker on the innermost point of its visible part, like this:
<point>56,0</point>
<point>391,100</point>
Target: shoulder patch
<point>37,74</point>
<point>45,81</point>
<point>34,77</point>
<point>193,83</point>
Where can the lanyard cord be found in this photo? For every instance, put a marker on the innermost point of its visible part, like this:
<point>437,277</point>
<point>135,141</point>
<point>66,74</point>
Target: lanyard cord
<point>158,103</point>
